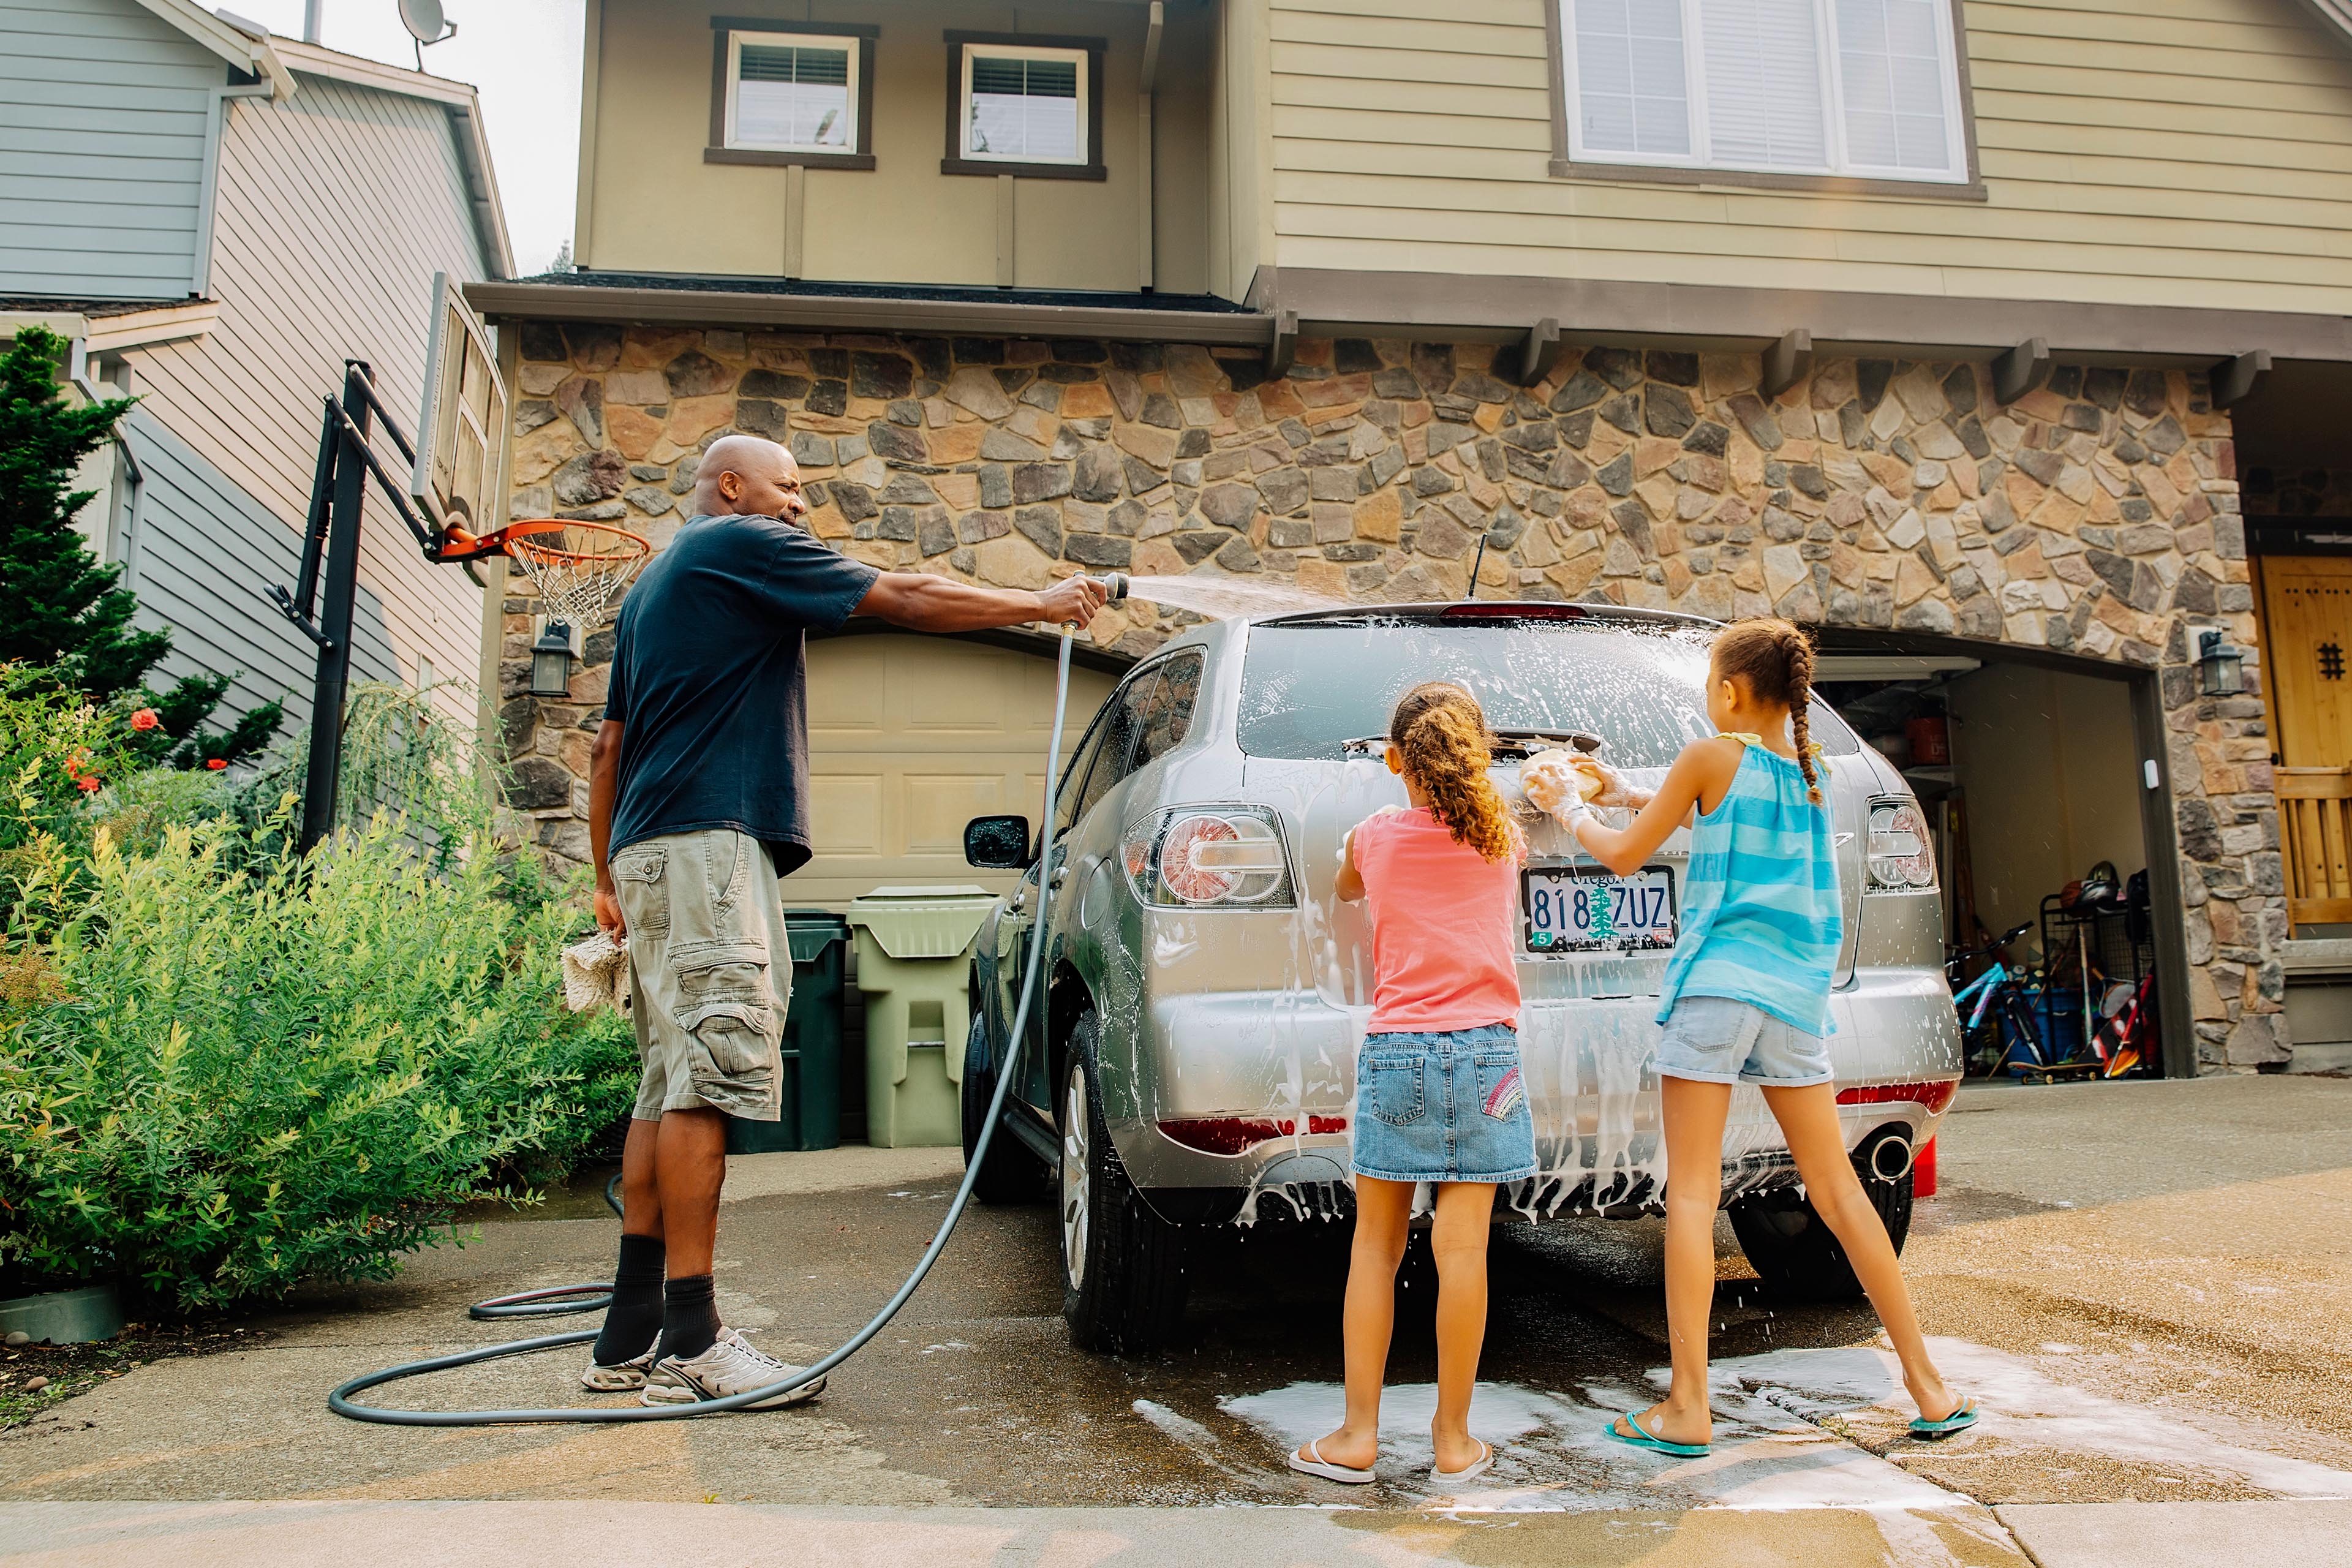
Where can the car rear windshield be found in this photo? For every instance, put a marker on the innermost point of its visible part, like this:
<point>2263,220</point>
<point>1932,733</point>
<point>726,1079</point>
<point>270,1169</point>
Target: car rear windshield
<point>1306,690</point>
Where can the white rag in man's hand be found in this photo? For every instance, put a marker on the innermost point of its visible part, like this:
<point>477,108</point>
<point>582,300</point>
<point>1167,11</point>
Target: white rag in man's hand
<point>595,974</point>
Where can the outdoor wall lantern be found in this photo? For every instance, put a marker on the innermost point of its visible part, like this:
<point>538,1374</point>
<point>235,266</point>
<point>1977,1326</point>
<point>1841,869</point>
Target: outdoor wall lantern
<point>551,662</point>
<point>2221,666</point>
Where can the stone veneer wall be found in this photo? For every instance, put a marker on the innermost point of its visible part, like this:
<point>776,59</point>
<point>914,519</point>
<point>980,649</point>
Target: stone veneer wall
<point>2098,514</point>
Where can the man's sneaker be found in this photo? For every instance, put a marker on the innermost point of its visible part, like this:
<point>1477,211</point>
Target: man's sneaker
<point>619,1379</point>
<point>729,1366</point>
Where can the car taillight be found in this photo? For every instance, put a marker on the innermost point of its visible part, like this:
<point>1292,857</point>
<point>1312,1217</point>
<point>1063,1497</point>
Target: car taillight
<point>1234,1134</point>
<point>1901,856</point>
<point>1208,857</point>
<point>1933,1096</point>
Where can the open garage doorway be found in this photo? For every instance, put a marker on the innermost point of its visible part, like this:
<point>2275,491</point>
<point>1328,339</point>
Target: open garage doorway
<point>2041,779</point>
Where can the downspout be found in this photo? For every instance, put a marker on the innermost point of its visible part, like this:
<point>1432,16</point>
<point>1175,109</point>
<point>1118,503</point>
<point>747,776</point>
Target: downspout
<point>77,372</point>
<point>1146,156</point>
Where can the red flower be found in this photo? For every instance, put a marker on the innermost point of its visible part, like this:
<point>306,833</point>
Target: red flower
<point>73,767</point>
<point>215,764</point>
<point>144,719</point>
<point>88,784</point>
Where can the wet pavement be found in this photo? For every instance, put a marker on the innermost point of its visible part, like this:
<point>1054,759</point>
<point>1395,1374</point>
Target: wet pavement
<point>2146,1285</point>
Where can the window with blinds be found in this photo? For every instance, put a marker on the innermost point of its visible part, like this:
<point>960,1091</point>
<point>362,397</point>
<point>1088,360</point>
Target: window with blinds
<point>1025,106</point>
<point>793,94</point>
<point>1863,88</point>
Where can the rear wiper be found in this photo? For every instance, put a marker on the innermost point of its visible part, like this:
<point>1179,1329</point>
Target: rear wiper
<point>1515,745</point>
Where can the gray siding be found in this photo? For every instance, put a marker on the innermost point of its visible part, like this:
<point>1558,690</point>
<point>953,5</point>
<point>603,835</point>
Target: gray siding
<point>206,552</point>
<point>334,210</point>
<point>104,110</point>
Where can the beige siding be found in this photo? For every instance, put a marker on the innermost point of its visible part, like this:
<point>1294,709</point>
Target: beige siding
<point>335,208</point>
<point>2194,152</point>
<point>1241,208</point>
<point>658,207</point>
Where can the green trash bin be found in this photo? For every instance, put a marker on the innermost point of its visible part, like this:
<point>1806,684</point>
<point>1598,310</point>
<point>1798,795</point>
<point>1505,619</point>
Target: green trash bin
<point>811,1115</point>
<point>914,947</point>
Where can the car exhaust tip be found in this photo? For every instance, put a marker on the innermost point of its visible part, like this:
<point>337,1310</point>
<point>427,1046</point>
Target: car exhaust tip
<point>1890,1159</point>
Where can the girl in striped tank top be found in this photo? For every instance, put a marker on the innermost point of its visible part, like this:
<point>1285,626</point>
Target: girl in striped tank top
<point>1746,1000</point>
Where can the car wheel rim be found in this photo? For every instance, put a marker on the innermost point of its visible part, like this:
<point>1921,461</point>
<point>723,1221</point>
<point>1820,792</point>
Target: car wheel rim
<point>1074,1179</point>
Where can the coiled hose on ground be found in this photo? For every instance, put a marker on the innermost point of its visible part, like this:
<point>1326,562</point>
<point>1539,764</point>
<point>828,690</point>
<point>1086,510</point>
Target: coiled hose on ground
<point>567,1298</point>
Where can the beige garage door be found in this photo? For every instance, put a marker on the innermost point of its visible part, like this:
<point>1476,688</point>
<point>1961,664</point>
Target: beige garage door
<point>909,738</point>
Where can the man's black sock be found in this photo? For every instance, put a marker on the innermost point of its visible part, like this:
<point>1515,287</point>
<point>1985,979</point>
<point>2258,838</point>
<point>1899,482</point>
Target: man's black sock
<point>689,1318</point>
<point>634,1318</point>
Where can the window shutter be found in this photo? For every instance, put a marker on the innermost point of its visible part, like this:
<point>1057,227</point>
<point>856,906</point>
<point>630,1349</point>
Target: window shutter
<point>1891,72</point>
<point>1631,91</point>
<point>1764,84</point>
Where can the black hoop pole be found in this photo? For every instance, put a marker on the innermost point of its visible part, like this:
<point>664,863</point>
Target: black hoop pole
<point>342,573</point>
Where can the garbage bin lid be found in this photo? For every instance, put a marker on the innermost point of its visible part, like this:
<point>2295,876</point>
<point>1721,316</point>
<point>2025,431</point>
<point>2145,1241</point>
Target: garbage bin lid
<point>923,922</point>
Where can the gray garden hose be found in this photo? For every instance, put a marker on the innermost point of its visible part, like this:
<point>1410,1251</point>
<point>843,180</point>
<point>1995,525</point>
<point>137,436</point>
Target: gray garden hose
<point>546,1303</point>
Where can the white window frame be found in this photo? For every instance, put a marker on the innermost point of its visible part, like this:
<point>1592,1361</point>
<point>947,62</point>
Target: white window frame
<point>1842,165</point>
<point>851,42</point>
<point>1081,159</point>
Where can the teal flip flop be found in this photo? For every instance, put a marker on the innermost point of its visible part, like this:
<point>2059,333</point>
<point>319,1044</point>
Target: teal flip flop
<point>1960,1420</point>
<point>1640,1438</point>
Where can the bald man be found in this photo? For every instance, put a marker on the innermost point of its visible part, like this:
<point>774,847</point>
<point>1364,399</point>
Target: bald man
<point>697,803</point>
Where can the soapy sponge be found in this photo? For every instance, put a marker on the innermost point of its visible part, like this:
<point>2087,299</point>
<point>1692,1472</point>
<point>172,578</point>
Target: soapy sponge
<point>1551,779</point>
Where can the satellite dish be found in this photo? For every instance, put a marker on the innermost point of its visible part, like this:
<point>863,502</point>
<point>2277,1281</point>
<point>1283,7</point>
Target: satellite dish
<point>424,20</point>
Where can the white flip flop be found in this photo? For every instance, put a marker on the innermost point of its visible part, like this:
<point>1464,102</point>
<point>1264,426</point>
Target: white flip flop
<point>1471,1471</point>
<point>1309,1462</point>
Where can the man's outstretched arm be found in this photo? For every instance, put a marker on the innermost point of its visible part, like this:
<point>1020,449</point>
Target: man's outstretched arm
<point>923,603</point>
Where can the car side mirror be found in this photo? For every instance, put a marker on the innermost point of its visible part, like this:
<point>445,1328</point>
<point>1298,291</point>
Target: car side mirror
<point>997,843</point>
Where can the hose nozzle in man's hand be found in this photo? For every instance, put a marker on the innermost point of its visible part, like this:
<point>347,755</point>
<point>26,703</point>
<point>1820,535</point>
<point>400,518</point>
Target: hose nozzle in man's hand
<point>1073,601</point>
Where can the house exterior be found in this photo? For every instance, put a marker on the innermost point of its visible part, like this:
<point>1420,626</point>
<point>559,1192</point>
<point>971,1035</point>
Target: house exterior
<point>1946,328</point>
<point>217,218</point>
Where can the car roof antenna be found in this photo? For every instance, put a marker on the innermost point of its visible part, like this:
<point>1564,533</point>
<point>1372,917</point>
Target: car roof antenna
<point>1481,561</point>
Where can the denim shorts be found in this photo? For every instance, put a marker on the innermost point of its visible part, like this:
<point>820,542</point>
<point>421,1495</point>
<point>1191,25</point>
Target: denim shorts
<point>1715,1039</point>
<point>1446,1107</point>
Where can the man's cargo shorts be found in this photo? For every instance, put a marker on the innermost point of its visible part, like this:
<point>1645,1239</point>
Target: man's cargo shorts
<point>710,969</point>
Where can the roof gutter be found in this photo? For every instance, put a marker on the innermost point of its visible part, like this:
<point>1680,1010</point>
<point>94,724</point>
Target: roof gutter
<point>1008,318</point>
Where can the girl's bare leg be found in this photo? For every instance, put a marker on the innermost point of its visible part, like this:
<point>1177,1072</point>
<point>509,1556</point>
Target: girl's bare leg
<point>1693,1113</point>
<point>1383,1210</point>
<point>1809,1121</point>
<point>1458,1237</point>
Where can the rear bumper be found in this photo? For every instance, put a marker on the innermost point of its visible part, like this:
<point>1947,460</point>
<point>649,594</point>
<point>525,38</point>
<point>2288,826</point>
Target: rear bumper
<point>1287,1059</point>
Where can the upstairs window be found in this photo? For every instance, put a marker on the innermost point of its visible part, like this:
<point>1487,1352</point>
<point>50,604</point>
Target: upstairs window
<point>1025,106</point>
<point>1857,89</point>
<point>803,96</point>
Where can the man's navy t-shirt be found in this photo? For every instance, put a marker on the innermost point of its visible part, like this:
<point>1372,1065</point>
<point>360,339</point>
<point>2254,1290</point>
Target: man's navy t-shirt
<point>710,682</point>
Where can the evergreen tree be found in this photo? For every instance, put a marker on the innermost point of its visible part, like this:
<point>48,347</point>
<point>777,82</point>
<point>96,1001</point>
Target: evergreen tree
<point>59,608</point>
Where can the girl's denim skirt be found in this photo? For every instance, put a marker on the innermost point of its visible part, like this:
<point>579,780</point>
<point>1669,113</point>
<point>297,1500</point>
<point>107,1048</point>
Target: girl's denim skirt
<point>1443,1107</point>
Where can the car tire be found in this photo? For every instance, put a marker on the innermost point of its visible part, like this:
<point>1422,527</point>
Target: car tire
<point>1010,1173</point>
<point>1790,1245</point>
<point>1123,1277</point>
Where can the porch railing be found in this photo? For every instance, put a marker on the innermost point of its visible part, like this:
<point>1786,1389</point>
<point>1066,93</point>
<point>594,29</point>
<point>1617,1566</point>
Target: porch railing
<point>2315,831</point>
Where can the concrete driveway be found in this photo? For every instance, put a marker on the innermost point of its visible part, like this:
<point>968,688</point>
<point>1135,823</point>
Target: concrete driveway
<point>2145,1284</point>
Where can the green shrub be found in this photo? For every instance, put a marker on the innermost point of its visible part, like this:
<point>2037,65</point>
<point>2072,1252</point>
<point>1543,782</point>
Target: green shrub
<point>225,1073</point>
<point>57,750</point>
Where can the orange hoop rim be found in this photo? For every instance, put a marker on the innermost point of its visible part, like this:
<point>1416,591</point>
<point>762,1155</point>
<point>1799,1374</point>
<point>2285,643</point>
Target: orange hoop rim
<point>515,540</point>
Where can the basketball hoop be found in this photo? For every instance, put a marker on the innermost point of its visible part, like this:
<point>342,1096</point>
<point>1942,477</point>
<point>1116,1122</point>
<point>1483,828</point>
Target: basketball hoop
<point>578,568</point>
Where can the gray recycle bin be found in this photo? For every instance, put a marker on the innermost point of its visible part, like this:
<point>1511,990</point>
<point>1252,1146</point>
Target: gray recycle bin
<point>914,957</point>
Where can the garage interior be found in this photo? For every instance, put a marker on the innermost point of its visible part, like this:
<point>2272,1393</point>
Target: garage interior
<point>2030,773</point>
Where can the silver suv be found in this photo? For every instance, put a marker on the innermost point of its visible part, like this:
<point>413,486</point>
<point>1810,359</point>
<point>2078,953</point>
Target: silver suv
<point>1193,1063</point>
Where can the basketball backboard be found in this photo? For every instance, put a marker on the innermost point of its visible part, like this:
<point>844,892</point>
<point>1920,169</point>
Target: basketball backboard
<point>461,451</point>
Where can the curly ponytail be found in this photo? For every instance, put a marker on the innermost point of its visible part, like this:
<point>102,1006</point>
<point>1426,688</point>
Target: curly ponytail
<point>1440,735</point>
<point>1775,658</point>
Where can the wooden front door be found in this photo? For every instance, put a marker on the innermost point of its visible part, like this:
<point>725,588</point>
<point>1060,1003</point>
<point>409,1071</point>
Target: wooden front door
<point>2308,661</point>
<point>2308,657</point>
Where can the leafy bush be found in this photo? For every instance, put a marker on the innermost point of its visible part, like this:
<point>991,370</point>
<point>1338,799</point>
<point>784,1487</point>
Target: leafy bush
<point>56,751</point>
<point>225,1073</point>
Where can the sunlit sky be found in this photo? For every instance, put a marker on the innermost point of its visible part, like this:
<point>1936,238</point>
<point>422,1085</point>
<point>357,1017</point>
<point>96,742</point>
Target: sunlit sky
<point>524,58</point>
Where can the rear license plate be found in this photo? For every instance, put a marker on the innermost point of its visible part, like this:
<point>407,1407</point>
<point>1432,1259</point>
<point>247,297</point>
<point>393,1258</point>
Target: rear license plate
<point>1587,910</point>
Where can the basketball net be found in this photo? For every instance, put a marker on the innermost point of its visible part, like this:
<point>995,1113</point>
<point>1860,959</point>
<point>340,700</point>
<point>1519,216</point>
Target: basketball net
<point>578,568</point>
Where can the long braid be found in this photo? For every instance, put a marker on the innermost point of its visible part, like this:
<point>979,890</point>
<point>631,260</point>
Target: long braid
<point>1776,658</point>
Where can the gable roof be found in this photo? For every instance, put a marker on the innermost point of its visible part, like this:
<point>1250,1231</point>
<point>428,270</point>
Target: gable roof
<point>458,102</point>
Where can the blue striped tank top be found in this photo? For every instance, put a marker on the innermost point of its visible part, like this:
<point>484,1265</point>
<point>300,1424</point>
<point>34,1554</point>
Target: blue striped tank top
<point>1761,921</point>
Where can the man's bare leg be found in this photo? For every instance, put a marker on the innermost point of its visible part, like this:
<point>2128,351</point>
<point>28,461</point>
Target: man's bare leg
<point>689,1166</point>
<point>641,1209</point>
<point>634,1320</point>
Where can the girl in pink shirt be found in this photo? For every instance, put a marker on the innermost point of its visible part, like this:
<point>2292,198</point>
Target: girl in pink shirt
<point>1438,1093</point>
